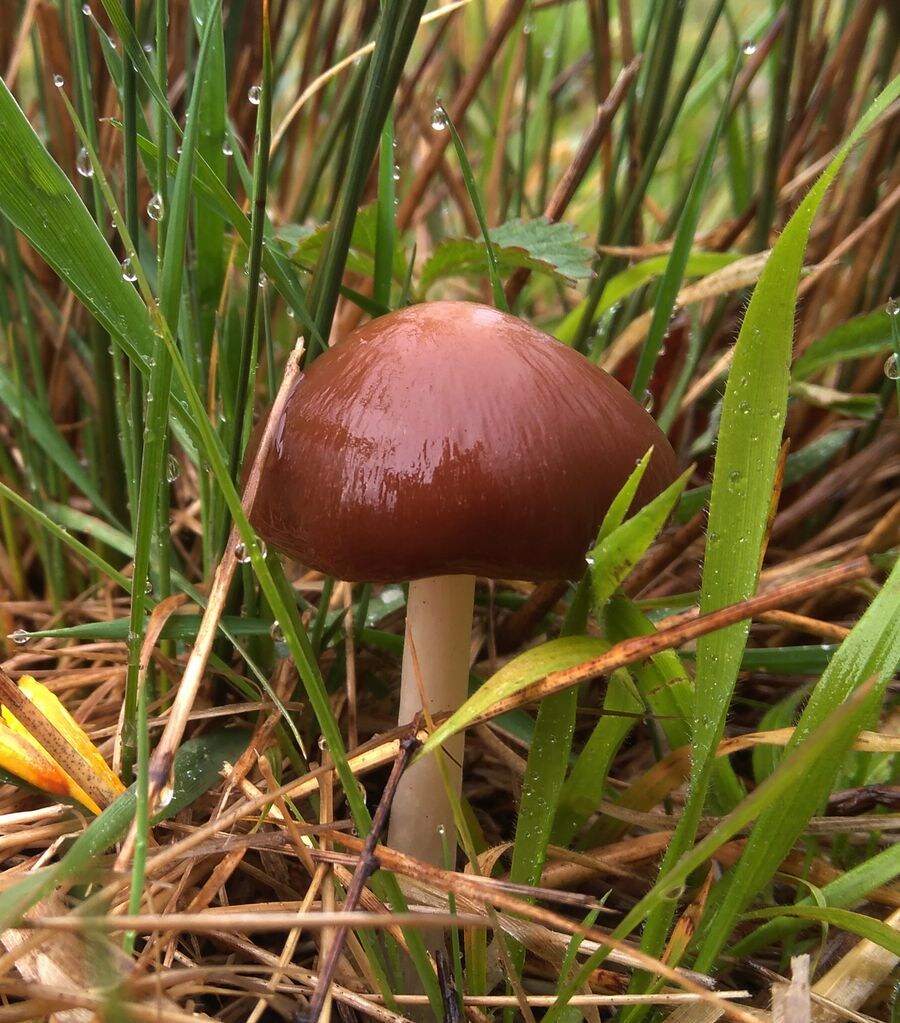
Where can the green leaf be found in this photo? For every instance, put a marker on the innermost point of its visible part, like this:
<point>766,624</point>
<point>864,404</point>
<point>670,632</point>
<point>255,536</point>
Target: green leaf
<point>865,926</point>
<point>304,245</point>
<point>198,764</point>
<point>517,674</point>
<point>42,203</point>
<point>537,245</point>
<point>858,338</point>
<point>856,406</point>
<point>612,560</point>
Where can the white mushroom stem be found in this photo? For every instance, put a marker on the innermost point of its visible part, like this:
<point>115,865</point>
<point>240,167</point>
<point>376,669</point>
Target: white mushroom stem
<point>436,662</point>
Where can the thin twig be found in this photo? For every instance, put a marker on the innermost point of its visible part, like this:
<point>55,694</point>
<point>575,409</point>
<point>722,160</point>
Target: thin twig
<point>367,865</point>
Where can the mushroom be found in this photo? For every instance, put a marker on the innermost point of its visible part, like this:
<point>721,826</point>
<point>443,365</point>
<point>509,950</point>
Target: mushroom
<point>435,444</point>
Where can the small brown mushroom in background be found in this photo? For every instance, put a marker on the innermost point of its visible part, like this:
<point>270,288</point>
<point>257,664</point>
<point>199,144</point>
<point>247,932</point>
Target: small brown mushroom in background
<point>434,444</point>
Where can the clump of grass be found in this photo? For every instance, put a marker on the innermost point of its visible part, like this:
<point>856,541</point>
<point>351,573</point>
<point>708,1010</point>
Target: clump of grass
<point>684,764</point>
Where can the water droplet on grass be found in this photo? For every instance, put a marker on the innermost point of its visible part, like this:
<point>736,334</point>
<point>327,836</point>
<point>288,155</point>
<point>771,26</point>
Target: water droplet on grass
<point>749,47</point>
<point>155,207</point>
<point>83,163</point>
<point>20,637</point>
<point>439,119</point>
<point>892,367</point>
<point>647,401</point>
<point>59,81</point>
<point>128,273</point>
<point>226,147</point>
<point>173,469</point>
<point>254,94</point>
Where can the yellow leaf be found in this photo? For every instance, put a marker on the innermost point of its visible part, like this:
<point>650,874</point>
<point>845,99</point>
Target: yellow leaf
<point>52,709</point>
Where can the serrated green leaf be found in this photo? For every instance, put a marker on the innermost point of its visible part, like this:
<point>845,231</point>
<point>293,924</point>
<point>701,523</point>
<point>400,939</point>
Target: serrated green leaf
<point>304,245</point>
<point>537,245</point>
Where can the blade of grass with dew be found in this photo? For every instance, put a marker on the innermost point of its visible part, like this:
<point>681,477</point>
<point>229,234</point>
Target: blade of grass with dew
<point>871,650</point>
<point>676,264</point>
<point>198,768</point>
<point>158,395</point>
<point>50,214</point>
<point>246,367</point>
<point>797,765</point>
<point>385,229</point>
<point>209,227</point>
<point>207,186</point>
<point>753,419</point>
<point>478,206</point>
<point>399,22</point>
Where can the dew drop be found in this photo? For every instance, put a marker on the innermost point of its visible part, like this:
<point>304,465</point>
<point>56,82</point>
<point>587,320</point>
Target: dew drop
<point>439,119</point>
<point>86,9</point>
<point>396,172</point>
<point>263,279</point>
<point>528,27</point>
<point>589,561</point>
<point>148,586</point>
<point>323,744</point>
<point>749,47</point>
<point>83,163</point>
<point>20,637</point>
<point>892,367</point>
<point>59,81</point>
<point>242,554</point>
<point>226,147</point>
<point>892,307</point>
<point>276,632</point>
<point>166,795</point>
<point>254,94</point>
<point>155,207</point>
<point>647,401</point>
<point>289,312</point>
<point>173,469</point>
<point>441,830</point>
<point>744,406</point>
<point>128,273</point>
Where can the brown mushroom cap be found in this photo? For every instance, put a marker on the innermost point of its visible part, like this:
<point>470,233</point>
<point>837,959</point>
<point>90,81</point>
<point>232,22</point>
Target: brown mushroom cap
<point>451,438</point>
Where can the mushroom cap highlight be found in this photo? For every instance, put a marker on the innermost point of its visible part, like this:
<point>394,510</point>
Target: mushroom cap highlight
<point>450,438</point>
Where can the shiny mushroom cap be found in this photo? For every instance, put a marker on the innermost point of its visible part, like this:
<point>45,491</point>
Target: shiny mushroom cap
<point>450,438</point>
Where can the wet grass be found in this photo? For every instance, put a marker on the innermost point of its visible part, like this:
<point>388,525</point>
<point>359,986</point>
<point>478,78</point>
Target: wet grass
<point>689,763</point>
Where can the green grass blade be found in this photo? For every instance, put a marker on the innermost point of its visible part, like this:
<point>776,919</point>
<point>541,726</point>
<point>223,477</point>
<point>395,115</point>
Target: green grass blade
<point>856,923</point>
<point>871,650</point>
<point>478,206</point>
<point>753,418</point>
<point>681,248</point>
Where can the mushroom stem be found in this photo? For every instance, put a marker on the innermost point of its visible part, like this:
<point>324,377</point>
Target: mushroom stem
<point>436,662</point>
